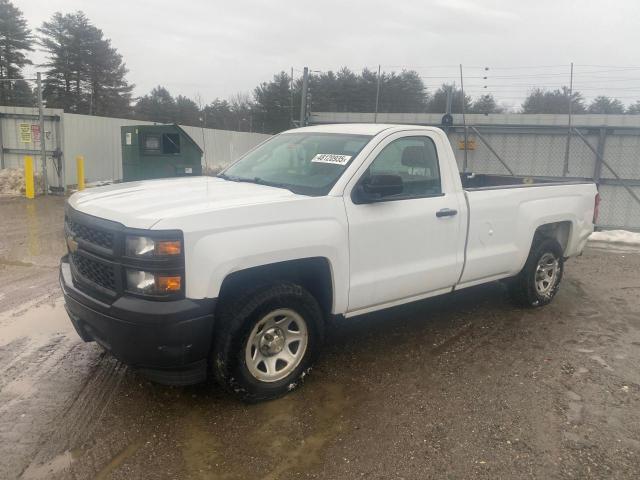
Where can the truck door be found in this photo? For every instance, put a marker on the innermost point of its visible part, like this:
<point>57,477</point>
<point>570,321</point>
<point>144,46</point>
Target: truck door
<point>404,245</point>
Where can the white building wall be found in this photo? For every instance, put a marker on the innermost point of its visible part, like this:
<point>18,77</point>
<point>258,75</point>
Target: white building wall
<point>98,140</point>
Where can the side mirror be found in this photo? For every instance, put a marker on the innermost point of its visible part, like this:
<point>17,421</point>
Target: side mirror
<point>376,187</point>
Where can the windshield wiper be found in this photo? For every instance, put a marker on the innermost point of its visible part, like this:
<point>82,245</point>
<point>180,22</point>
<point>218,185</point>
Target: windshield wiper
<point>233,178</point>
<point>260,181</point>
<point>256,180</point>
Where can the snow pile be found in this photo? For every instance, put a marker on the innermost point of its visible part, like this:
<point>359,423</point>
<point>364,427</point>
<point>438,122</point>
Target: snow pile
<point>99,183</point>
<point>616,236</point>
<point>12,181</point>
<point>211,171</point>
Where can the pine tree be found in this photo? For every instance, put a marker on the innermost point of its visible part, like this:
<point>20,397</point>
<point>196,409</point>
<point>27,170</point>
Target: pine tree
<point>485,104</point>
<point>110,93</point>
<point>187,111</point>
<point>403,92</point>
<point>634,108</point>
<point>554,101</point>
<point>217,115</point>
<point>273,100</point>
<point>158,106</point>
<point>606,105</point>
<point>60,38</point>
<point>85,74</point>
<point>438,102</point>
<point>15,42</point>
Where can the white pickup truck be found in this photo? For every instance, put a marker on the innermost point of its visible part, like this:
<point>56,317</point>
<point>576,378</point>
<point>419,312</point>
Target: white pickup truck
<point>237,275</point>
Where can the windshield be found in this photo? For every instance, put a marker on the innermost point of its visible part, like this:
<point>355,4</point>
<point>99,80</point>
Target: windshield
<point>306,162</point>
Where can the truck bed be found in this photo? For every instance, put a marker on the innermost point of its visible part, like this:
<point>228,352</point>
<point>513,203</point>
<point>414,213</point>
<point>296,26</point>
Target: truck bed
<point>481,181</point>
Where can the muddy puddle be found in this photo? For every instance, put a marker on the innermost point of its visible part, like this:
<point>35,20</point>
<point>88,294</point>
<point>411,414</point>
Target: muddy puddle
<point>284,436</point>
<point>34,322</point>
<point>32,232</point>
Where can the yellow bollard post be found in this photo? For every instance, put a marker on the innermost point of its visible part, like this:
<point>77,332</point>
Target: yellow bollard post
<point>80,171</point>
<point>29,187</point>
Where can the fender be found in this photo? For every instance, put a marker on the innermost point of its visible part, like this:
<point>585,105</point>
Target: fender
<point>225,242</point>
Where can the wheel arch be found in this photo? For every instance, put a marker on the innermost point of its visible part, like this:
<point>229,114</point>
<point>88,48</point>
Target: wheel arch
<point>314,274</point>
<point>559,231</point>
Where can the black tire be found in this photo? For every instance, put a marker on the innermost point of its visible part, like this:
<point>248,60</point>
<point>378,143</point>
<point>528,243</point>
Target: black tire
<point>236,319</point>
<point>522,288</point>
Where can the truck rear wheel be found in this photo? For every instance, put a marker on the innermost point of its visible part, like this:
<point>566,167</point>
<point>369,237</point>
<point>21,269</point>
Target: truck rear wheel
<point>539,280</point>
<point>267,341</point>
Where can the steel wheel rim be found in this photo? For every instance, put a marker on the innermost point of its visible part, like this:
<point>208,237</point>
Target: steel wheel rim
<point>546,275</point>
<point>276,345</point>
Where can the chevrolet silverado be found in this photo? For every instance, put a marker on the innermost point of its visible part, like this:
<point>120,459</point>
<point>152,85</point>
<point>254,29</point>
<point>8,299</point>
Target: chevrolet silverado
<point>237,275</point>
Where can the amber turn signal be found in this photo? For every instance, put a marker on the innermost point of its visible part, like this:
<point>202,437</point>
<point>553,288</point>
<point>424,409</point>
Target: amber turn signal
<point>166,284</point>
<point>165,247</point>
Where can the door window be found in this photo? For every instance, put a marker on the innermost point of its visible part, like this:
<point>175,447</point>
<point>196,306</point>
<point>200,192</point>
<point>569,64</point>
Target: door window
<point>415,160</point>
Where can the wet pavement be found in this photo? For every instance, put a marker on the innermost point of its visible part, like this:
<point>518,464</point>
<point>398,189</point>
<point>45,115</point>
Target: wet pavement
<point>463,386</point>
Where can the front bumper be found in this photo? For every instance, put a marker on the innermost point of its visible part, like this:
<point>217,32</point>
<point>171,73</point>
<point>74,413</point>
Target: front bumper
<point>167,341</point>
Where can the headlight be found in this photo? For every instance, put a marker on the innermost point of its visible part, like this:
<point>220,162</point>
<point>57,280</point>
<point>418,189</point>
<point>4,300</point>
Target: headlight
<point>148,283</point>
<point>137,246</point>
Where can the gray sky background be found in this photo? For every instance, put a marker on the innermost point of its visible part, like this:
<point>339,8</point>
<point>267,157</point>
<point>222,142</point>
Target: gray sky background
<point>219,48</point>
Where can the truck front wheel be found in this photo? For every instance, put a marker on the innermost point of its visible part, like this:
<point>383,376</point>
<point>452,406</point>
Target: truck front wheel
<point>266,341</point>
<point>539,280</point>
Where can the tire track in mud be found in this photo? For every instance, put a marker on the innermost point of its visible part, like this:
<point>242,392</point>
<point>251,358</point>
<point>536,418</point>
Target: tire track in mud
<point>589,394</point>
<point>89,405</point>
<point>79,418</point>
<point>54,389</point>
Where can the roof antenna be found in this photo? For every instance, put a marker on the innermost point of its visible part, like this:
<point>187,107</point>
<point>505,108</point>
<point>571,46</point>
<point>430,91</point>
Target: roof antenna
<point>203,121</point>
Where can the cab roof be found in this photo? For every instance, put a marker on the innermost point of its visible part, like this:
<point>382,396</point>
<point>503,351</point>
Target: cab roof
<point>357,128</point>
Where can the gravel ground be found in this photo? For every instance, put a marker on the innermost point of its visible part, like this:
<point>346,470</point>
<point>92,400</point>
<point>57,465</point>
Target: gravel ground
<point>462,386</point>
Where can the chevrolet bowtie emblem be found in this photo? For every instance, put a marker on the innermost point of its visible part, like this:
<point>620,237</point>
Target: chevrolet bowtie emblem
<point>72,244</point>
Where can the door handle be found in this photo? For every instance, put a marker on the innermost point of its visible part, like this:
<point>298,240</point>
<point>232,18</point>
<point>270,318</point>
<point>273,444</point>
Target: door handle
<point>446,212</point>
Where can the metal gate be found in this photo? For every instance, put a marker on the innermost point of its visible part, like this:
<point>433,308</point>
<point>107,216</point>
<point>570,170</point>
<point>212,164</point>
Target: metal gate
<point>21,134</point>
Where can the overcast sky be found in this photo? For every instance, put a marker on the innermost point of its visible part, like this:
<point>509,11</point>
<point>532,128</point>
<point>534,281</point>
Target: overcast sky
<point>217,48</point>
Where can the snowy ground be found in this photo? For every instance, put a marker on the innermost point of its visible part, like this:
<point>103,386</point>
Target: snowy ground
<point>12,181</point>
<point>616,236</point>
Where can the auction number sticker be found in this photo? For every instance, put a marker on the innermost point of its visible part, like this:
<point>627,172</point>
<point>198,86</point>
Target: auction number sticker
<point>331,158</point>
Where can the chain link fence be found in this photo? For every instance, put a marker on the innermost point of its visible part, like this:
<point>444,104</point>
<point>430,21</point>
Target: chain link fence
<point>607,155</point>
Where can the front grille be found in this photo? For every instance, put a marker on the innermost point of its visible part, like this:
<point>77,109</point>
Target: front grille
<point>95,253</point>
<point>92,235</point>
<point>96,272</point>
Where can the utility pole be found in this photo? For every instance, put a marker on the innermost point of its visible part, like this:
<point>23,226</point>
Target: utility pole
<point>565,168</point>
<point>449,98</point>
<point>464,122</point>
<point>291,104</point>
<point>375,115</point>
<point>303,100</point>
<point>43,151</point>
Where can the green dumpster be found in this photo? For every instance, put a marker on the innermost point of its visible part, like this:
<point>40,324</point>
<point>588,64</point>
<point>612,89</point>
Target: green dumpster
<point>158,151</point>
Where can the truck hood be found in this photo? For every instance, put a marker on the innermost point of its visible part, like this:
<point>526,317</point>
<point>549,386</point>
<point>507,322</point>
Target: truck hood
<point>143,204</point>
